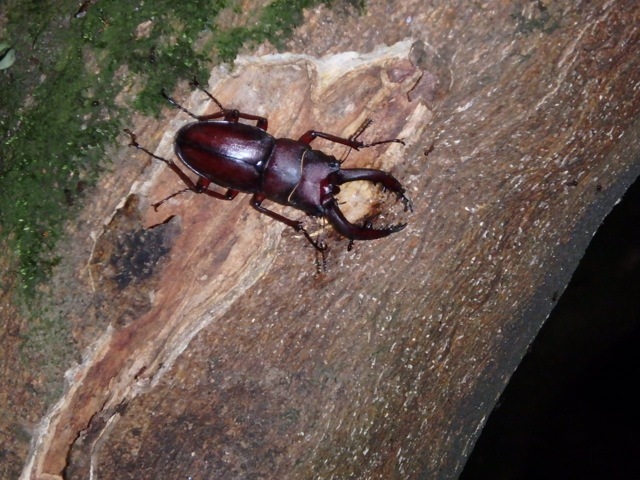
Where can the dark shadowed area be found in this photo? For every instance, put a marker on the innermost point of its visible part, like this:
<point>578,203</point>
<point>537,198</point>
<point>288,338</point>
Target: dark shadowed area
<point>570,410</point>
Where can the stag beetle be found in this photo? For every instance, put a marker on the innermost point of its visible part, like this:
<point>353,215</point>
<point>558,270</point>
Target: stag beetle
<point>245,158</point>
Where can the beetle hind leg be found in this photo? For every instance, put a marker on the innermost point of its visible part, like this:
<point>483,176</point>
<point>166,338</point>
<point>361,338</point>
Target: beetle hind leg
<point>201,186</point>
<point>183,176</point>
<point>229,114</point>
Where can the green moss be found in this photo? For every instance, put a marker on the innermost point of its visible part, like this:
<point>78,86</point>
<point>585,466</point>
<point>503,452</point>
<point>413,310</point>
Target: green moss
<point>57,110</point>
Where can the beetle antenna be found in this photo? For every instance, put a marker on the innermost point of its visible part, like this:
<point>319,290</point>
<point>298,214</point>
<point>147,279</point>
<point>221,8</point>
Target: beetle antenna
<point>346,155</point>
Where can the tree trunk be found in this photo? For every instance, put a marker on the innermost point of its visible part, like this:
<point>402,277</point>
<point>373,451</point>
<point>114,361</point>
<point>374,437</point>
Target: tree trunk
<point>213,347</point>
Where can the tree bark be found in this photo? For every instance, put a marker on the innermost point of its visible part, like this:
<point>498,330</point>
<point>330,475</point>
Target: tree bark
<point>213,348</point>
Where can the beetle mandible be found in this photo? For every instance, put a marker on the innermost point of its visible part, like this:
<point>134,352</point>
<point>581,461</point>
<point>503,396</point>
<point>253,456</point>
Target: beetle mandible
<point>245,158</point>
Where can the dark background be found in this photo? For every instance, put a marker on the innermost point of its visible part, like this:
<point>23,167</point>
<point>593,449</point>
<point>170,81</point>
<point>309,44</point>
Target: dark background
<point>572,408</point>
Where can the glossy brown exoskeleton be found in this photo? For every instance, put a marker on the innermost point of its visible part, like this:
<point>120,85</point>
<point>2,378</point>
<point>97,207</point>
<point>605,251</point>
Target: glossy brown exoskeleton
<point>245,158</point>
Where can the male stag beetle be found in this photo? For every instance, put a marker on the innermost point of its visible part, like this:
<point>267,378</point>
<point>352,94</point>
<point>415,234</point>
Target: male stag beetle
<point>245,158</point>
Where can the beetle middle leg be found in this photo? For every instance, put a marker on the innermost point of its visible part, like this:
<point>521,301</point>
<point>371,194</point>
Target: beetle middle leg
<point>256,202</point>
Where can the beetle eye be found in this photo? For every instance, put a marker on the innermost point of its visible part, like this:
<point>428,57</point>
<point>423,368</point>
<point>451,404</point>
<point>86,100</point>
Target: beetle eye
<point>335,190</point>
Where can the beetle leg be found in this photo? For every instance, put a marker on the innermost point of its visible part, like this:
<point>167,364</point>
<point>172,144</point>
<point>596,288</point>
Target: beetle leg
<point>388,181</point>
<point>355,232</point>
<point>256,202</point>
<point>311,135</point>
<point>231,115</point>
<point>174,194</point>
<point>196,84</point>
<point>201,186</point>
<point>177,105</point>
<point>228,114</point>
<point>183,176</point>
<point>367,122</point>
<point>234,116</point>
<point>261,122</point>
<point>350,142</point>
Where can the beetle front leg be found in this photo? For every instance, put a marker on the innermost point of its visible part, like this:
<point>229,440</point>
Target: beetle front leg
<point>350,142</point>
<point>311,135</point>
<point>256,202</point>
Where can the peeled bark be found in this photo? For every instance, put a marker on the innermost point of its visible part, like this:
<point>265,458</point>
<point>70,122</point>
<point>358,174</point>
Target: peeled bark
<point>213,348</point>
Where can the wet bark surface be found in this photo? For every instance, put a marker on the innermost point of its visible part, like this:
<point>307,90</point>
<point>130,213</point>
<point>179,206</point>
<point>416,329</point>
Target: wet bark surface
<point>212,348</point>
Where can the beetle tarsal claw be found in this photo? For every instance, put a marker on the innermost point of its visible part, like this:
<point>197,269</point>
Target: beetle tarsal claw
<point>318,245</point>
<point>133,138</point>
<point>408,204</point>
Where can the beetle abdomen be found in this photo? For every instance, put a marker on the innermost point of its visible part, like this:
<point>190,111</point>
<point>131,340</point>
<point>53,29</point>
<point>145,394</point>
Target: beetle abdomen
<point>231,155</point>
